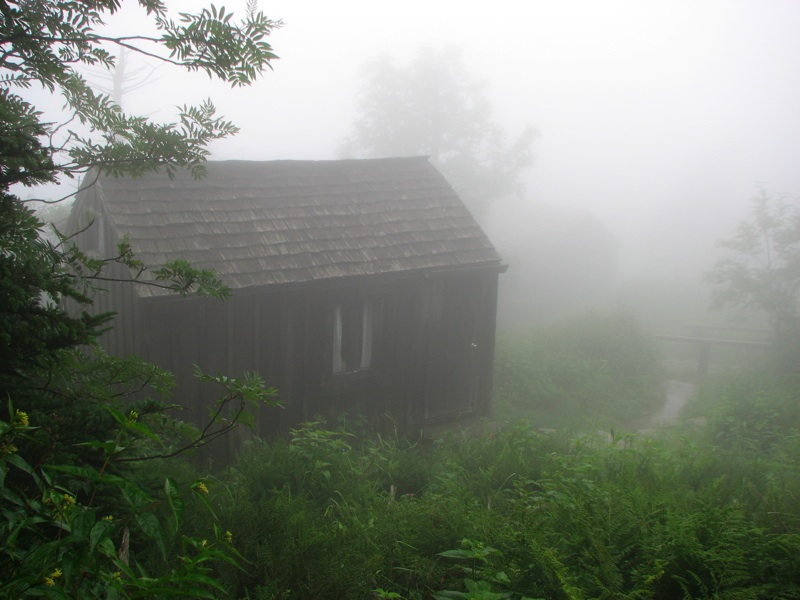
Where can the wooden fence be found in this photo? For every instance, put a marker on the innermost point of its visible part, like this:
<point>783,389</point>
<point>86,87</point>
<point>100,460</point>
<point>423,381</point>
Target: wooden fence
<point>703,337</point>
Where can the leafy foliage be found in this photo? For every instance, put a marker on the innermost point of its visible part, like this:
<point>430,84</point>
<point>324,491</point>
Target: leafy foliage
<point>24,158</point>
<point>519,513</point>
<point>57,546</point>
<point>44,42</point>
<point>78,517</point>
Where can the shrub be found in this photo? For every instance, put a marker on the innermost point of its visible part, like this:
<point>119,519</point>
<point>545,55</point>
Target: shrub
<point>593,368</point>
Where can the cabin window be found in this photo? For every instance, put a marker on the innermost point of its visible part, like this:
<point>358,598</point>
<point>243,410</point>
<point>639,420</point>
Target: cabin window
<point>354,325</point>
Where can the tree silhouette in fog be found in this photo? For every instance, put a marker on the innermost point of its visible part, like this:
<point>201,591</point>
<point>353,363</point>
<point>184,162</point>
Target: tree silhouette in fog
<point>761,269</point>
<point>432,107</point>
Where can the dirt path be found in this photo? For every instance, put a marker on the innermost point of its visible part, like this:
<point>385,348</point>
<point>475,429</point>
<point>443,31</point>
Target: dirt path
<point>677,394</point>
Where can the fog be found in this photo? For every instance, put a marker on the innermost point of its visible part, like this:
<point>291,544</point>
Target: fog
<point>657,120</point>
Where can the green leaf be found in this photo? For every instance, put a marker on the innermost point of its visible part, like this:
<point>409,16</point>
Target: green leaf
<point>176,503</point>
<point>151,527</point>
<point>458,554</point>
<point>99,533</point>
<point>89,473</point>
<point>20,463</point>
<point>82,521</point>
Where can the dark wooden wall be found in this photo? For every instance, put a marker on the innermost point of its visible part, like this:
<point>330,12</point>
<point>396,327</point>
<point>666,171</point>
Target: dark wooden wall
<point>432,357</point>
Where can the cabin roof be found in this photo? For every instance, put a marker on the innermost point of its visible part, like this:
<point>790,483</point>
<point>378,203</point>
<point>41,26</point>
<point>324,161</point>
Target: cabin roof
<point>280,222</point>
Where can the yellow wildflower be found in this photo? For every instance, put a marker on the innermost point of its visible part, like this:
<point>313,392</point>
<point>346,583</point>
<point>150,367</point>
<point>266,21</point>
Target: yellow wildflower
<point>108,518</point>
<point>134,415</point>
<point>68,500</point>
<point>49,581</point>
<point>201,487</point>
<point>10,449</point>
<point>228,537</point>
<point>21,417</point>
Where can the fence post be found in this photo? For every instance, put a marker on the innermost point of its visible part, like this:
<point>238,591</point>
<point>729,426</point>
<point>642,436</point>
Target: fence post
<point>703,357</point>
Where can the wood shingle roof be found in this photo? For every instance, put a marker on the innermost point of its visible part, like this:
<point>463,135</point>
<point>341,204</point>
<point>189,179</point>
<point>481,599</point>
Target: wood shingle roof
<point>268,223</point>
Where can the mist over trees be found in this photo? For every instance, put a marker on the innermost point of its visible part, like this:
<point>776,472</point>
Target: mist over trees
<point>560,260</point>
<point>761,268</point>
<point>432,107</point>
<point>123,78</point>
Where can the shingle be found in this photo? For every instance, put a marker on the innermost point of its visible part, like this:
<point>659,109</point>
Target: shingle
<point>266,223</point>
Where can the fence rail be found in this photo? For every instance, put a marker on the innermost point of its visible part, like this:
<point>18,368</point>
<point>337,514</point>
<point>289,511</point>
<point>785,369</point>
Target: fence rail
<point>703,344</point>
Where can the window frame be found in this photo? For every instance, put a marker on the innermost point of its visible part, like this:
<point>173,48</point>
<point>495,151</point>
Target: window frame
<point>355,330</point>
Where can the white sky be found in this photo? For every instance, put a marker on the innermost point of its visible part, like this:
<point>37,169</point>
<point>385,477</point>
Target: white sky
<point>659,117</point>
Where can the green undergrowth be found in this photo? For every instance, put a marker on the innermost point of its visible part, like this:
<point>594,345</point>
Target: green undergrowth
<point>601,369</point>
<point>516,513</point>
<point>707,508</point>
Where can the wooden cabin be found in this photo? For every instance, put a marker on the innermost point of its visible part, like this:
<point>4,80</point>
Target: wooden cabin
<point>360,287</point>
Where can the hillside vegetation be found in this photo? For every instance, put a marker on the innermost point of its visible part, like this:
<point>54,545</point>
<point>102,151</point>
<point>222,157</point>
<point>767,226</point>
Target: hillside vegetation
<point>590,370</point>
<point>707,511</point>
